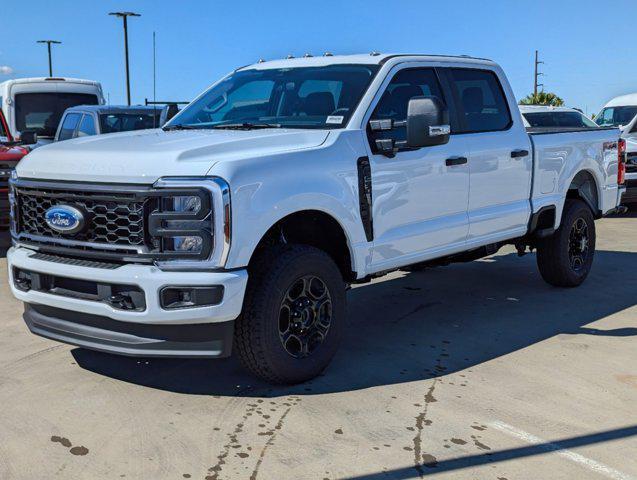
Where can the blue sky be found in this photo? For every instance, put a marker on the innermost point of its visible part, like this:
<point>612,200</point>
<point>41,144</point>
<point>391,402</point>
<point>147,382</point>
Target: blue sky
<point>199,41</point>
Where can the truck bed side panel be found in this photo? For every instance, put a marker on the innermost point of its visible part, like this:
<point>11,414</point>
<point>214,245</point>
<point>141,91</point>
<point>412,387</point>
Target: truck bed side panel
<point>559,157</point>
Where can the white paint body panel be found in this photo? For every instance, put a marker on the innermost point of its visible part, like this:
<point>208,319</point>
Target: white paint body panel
<point>422,209</point>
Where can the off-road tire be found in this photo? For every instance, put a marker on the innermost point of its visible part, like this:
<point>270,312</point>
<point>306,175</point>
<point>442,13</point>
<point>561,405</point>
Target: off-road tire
<point>553,253</point>
<point>257,331</point>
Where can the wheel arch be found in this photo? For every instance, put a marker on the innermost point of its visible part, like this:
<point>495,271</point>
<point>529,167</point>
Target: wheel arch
<point>314,227</point>
<point>585,186</point>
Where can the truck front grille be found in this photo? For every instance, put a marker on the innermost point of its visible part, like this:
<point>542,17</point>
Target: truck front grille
<point>120,223</point>
<point>118,220</point>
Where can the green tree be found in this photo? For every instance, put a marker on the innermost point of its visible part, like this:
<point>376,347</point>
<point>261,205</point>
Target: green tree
<point>542,98</point>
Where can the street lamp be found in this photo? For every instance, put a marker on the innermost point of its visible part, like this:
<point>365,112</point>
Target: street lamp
<point>124,16</point>
<point>48,43</point>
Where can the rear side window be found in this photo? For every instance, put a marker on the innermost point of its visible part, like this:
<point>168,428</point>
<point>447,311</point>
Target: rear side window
<point>559,120</point>
<point>482,103</point>
<point>69,125</point>
<point>87,126</point>
<point>405,85</point>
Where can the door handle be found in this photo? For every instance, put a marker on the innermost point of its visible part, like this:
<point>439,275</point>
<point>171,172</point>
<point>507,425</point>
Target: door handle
<point>519,153</point>
<point>456,161</point>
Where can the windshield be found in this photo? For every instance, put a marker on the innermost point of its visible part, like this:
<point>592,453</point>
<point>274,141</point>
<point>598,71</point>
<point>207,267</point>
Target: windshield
<point>321,97</point>
<point>41,112</point>
<point>125,122</point>
<point>616,116</point>
<point>558,119</point>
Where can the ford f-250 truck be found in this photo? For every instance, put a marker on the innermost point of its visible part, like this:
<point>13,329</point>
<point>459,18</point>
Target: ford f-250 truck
<point>244,219</point>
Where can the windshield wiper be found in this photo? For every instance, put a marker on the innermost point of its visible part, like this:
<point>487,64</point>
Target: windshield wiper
<point>181,127</point>
<point>246,126</point>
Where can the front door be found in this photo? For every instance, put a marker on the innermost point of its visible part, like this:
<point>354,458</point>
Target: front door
<point>420,195</point>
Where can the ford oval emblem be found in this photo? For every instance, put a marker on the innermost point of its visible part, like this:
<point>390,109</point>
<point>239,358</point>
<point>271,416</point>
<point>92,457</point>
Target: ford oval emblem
<point>64,219</point>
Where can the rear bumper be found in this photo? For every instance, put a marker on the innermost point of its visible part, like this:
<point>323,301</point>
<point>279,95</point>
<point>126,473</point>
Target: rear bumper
<point>630,196</point>
<point>132,339</point>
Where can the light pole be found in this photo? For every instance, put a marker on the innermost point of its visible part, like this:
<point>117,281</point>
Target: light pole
<point>124,16</point>
<point>48,44</point>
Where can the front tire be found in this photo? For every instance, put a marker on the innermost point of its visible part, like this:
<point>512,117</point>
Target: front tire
<point>293,314</point>
<point>565,259</point>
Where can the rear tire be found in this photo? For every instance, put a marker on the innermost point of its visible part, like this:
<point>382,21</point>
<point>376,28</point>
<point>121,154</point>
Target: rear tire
<point>293,314</point>
<point>565,258</point>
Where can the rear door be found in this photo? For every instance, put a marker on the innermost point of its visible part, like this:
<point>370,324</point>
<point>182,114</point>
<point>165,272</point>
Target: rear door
<point>500,161</point>
<point>419,197</point>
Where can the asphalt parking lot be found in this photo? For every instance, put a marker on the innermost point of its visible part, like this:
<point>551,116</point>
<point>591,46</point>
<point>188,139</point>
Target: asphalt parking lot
<point>476,370</point>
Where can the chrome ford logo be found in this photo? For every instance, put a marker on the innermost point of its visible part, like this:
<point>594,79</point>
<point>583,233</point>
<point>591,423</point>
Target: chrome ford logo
<point>64,219</point>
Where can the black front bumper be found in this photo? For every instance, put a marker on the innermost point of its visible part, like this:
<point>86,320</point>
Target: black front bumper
<point>96,332</point>
<point>631,192</point>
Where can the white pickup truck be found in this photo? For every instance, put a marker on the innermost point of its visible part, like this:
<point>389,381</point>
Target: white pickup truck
<point>243,221</point>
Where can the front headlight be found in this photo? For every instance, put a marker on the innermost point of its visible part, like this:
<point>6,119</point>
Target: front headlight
<point>192,224</point>
<point>191,243</point>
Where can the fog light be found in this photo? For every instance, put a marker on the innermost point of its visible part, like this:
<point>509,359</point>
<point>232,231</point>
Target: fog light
<point>22,280</point>
<point>188,297</point>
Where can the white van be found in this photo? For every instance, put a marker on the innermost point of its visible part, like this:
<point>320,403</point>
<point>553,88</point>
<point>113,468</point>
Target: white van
<point>622,112</point>
<point>37,104</point>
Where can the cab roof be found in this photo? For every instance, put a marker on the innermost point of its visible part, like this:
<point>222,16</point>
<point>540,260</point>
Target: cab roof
<point>359,59</point>
<point>106,109</point>
<point>629,100</point>
<point>18,81</point>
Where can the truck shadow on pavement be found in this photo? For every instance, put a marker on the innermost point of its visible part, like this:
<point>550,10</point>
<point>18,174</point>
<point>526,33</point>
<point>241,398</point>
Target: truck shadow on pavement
<point>418,326</point>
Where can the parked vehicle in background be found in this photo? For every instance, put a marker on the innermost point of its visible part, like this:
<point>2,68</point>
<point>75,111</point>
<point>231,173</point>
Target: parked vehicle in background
<point>37,104</point>
<point>87,120</point>
<point>243,221</point>
<point>10,154</point>
<point>544,116</point>
<point>621,112</point>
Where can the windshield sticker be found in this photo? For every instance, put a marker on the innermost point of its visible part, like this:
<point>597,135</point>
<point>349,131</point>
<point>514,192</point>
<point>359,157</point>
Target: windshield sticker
<point>334,119</point>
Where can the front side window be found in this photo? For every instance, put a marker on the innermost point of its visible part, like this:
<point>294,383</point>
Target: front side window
<point>87,126</point>
<point>406,84</point>
<point>483,105</point>
<point>69,125</point>
<point>125,122</point>
<point>616,116</point>
<point>311,97</point>
<point>558,120</point>
<point>41,112</point>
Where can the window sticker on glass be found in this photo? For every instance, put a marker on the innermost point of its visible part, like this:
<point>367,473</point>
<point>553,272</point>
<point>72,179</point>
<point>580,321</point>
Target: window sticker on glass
<point>334,119</point>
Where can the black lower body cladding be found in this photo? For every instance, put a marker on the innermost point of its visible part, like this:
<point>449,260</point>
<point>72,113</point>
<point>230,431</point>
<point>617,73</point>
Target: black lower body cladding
<point>96,332</point>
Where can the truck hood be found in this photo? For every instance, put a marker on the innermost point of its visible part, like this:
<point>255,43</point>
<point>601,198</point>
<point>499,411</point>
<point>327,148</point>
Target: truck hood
<point>145,156</point>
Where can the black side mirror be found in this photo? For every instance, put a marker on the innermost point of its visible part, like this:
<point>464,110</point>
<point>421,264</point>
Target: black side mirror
<point>28,137</point>
<point>427,122</point>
